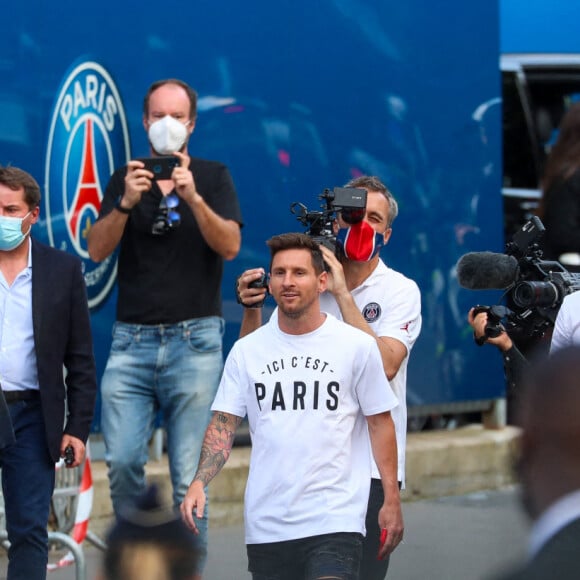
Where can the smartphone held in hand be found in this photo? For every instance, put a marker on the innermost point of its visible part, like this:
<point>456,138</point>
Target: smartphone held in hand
<point>161,167</point>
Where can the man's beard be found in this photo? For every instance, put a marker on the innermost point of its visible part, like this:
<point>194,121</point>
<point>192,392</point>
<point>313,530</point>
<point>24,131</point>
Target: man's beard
<point>295,314</point>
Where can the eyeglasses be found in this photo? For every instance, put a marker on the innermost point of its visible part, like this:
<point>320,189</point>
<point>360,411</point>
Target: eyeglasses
<point>167,217</point>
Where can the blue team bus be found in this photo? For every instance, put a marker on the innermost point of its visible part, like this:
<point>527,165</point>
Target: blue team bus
<point>294,98</point>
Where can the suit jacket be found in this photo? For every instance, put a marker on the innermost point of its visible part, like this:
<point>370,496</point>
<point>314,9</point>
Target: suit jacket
<point>62,336</point>
<point>6,431</point>
<point>558,559</point>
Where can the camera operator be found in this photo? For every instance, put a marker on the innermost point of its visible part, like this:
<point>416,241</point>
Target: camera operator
<point>514,362</point>
<point>566,333</point>
<point>541,300</point>
<point>383,303</point>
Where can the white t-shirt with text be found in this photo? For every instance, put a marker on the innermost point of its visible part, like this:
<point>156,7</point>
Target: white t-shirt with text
<point>306,397</point>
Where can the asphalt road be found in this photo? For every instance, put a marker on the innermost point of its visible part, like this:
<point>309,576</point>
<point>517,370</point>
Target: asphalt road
<point>457,538</point>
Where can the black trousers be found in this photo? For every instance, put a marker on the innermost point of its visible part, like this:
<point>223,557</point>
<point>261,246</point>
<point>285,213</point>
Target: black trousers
<point>371,568</point>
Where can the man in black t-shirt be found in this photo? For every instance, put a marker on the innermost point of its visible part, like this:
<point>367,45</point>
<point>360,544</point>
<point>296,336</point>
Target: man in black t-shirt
<point>174,235</point>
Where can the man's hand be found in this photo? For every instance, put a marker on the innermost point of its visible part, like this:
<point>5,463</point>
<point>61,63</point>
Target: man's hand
<point>78,448</point>
<point>336,282</point>
<point>194,500</point>
<point>184,181</point>
<point>247,296</point>
<point>479,322</point>
<point>137,180</point>
<point>391,520</point>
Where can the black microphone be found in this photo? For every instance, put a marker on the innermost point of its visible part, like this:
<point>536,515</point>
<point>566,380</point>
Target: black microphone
<point>486,270</point>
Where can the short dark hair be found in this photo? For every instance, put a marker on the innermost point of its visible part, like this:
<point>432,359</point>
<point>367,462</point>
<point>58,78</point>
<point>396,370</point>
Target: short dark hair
<point>297,241</point>
<point>190,93</point>
<point>16,179</point>
<point>373,183</point>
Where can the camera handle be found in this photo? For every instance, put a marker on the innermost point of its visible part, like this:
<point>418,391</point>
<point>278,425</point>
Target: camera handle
<point>494,327</point>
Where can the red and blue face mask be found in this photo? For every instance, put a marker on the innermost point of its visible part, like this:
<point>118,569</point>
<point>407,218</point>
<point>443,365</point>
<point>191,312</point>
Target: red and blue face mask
<point>359,242</point>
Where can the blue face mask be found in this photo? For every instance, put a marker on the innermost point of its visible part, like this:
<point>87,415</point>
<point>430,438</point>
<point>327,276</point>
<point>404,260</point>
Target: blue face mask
<point>11,235</point>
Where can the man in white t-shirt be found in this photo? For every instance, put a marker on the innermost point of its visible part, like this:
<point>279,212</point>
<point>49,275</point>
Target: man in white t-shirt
<point>381,302</point>
<point>567,326</point>
<point>313,390</point>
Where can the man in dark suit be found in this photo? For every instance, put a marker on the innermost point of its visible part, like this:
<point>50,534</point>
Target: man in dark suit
<point>44,325</point>
<point>549,467</point>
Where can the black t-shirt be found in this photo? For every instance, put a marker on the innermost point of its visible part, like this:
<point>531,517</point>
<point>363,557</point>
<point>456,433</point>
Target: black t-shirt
<point>164,279</point>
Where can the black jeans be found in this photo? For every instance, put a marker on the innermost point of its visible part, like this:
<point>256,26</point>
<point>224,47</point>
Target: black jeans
<point>335,555</point>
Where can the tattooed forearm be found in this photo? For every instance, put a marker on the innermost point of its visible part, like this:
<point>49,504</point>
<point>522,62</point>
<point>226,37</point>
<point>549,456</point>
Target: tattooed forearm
<point>217,445</point>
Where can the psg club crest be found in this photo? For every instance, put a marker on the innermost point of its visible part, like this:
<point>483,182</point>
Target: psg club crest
<point>371,312</point>
<point>88,139</point>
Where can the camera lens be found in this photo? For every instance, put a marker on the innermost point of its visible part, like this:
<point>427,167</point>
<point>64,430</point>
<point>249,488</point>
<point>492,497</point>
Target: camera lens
<point>527,294</point>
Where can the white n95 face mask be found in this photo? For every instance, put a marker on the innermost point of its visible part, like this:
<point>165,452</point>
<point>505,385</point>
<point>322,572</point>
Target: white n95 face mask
<point>167,135</point>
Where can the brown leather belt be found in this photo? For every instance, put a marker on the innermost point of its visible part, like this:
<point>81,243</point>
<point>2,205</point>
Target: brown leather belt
<point>15,396</point>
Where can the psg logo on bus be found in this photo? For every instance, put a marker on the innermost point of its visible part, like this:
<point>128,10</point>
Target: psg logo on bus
<point>88,139</point>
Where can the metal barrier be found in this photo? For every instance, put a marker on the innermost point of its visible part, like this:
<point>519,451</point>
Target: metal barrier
<point>65,498</point>
<point>58,538</point>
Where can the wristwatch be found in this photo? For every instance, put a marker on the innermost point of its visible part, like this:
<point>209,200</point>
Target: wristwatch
<point>119,207</point>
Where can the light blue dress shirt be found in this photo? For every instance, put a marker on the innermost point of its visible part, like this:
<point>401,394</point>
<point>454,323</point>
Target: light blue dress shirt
<point>18,370</point>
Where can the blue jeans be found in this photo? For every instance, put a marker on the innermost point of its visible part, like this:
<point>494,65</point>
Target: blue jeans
<point>175,368</point>
<point>27,485</point>
<point>328,555</point>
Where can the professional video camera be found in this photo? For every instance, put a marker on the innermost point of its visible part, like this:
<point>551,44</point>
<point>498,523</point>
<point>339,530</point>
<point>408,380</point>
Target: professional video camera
<point>351,202</point>
<point>534,288</point>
